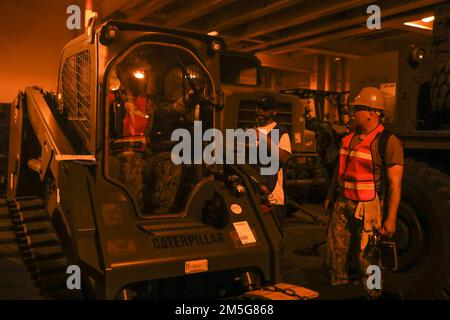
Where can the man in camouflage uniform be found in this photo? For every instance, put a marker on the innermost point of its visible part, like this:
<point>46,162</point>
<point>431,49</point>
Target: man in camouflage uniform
<point>141,152</point>
<point>131,87</point>
<point>365,183</point>
<point>163,179</point>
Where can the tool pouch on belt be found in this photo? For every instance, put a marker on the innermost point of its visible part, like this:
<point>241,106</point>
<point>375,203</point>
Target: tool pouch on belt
<point>371,214</point>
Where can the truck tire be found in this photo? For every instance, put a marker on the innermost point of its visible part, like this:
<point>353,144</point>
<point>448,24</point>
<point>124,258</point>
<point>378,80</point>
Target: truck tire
<point>423,233</point>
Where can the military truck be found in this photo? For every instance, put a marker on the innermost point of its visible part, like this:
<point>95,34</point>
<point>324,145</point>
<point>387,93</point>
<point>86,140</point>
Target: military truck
<point>417,87</point>
<point>91,184</point>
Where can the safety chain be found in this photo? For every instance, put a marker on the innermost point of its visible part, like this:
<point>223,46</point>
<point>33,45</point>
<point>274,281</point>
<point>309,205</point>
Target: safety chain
<point>288,292</point>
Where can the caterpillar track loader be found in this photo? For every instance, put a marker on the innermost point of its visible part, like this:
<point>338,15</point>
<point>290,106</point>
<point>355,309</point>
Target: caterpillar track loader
<point>91,183</point>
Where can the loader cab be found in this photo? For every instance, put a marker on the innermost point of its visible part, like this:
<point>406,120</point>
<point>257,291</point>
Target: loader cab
<point>151,81</point>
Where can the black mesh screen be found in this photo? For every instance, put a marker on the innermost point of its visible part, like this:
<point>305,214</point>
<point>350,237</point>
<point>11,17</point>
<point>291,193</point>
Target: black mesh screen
<point>76,93</point>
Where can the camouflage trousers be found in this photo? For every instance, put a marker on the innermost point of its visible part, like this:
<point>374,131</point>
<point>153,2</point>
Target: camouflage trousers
<point>343,247</point>
<point>130,173</point>
<point>152,179</point>
<point>163,179</point>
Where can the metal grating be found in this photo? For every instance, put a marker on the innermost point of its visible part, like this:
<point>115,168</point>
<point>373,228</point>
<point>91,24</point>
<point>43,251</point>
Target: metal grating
<point>76,85</point>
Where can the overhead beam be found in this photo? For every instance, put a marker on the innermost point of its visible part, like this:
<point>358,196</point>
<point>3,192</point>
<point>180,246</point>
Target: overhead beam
<point>355,18</point>
<point>196,10</point>
<point>147,9</point>
<point>416,30</point>
<point>311,50</point>
<point>301,14</point>
<point>108,7</point>
<point>360,45</point>
<point>392,23</point>
<point>331,53</point>
<point>243,11</point>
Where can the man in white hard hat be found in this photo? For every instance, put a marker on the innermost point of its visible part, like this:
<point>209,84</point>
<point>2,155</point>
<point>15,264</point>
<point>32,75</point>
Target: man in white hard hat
<point>365,195</point>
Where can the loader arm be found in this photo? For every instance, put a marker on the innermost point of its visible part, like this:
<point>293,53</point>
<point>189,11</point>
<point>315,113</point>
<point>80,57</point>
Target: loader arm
<point>54,144</point>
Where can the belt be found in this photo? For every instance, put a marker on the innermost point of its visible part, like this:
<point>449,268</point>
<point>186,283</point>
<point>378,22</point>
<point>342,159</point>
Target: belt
<point>137,143</point>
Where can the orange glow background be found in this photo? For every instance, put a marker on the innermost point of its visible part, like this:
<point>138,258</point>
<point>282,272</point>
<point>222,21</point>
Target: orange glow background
<point>32,35</point>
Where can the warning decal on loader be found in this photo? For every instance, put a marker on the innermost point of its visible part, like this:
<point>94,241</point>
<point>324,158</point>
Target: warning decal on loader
<point>244,232</point>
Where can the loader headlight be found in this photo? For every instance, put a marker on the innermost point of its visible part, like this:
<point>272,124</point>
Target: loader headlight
<point>108,34</point>
<point>215,46</point>
<point>416,56</point>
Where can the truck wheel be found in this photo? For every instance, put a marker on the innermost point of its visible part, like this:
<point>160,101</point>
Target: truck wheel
<point>423,233</point>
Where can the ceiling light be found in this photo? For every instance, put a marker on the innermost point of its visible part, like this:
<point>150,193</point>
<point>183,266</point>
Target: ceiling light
<point>213,33</point>
<point>417,25</point>
<point>139,74</point>
<point>428,19</point>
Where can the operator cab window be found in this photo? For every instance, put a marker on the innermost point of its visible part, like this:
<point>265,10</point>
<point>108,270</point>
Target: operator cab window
<point>153,90</point>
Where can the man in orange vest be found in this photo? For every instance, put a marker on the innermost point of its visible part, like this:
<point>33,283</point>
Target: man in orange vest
<point>366,191</point>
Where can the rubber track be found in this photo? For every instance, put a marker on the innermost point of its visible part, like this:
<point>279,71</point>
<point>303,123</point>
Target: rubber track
<point>32,262</point>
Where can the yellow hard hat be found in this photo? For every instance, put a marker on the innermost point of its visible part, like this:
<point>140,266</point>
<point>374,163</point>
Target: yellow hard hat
<point>370,97</point>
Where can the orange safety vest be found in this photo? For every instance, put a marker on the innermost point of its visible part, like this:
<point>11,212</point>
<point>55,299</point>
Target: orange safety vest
<point>134,125</point>
<point>356,177</point>
<point>135,122</point>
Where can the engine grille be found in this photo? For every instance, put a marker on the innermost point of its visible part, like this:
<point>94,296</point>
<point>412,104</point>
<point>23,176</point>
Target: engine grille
<point>76,85</point>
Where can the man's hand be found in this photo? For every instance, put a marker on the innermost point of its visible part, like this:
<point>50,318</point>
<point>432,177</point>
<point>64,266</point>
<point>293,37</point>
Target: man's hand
<point>388,228</point>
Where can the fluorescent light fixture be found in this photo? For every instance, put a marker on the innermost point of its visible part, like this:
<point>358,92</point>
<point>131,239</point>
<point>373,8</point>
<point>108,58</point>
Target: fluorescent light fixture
<point>417,25</point>
<point>424,23</point>
<point>428,19</point>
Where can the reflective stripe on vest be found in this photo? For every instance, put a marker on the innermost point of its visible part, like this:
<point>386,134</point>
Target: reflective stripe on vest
<point>356,175</point>
<point>136,121</point>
